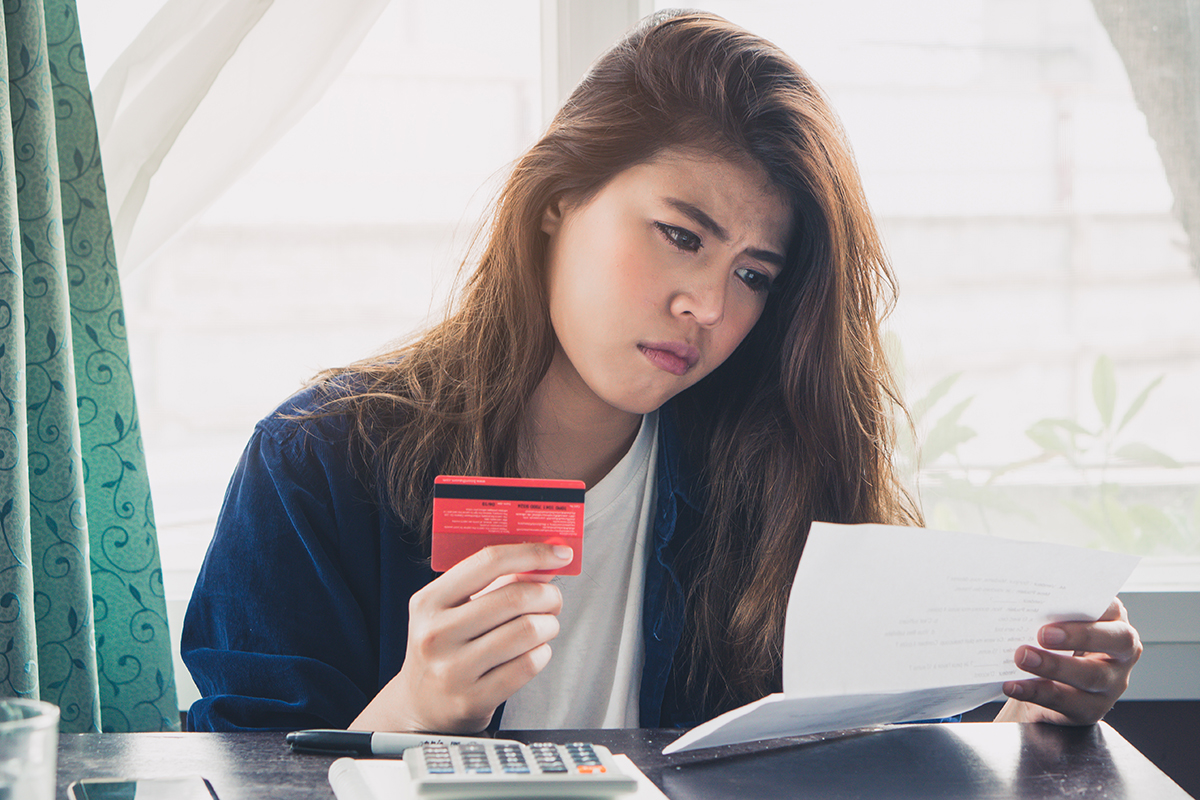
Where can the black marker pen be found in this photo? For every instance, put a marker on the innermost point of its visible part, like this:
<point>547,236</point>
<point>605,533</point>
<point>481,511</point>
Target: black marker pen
<point>367,743</point>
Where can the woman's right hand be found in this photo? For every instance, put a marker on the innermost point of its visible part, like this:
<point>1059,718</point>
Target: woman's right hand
<point>470,650</point>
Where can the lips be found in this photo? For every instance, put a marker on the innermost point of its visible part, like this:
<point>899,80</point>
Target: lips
<point>673,357</point>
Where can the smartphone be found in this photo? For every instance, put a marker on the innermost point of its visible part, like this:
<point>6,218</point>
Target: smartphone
<point>189,788</point>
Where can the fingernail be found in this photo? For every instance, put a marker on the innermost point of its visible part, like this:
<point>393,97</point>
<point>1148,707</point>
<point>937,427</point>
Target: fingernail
<point>1014,690</point>
<point>563,552</point>
<point>1053,636</point>
<point>1031,660</point>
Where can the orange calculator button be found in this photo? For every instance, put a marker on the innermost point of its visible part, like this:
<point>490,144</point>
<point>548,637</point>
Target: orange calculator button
<point>591,768</point>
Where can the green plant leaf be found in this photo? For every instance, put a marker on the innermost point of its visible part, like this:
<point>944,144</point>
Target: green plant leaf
<point>1016,465</point>
<point>1104,389</point>
<point>1092,514</point>
<point>940,389</point>
<point>1119,520</point>
<point>943,517</point>
<point>1145,454</point>
<point>1154,522</point>
<point>1106,516</point>
<point>947,434</point>
<point>944,439</point>
<point>983,497</point>
<point>1044,433</point>
<point>1068,425</point>
<point>1140,401</point>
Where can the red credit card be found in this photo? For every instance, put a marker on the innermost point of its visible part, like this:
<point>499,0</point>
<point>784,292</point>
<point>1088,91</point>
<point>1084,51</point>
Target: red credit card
<point>471,513</point>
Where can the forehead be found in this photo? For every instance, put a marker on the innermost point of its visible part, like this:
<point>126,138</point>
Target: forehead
<point>738,194</point>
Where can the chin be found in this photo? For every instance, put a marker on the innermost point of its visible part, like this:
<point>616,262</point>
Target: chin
<point>643,403</point>
<point>642,395</point>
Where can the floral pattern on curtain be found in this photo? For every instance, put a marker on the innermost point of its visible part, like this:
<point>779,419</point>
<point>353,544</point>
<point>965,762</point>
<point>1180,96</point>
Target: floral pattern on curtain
<point>82,616</point>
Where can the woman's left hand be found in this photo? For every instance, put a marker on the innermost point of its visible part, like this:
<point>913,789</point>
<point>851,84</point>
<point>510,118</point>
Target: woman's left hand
<point>1076,688</point>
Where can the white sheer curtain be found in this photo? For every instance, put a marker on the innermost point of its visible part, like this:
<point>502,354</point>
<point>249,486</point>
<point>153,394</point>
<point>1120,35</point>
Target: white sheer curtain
<point>201,93</point>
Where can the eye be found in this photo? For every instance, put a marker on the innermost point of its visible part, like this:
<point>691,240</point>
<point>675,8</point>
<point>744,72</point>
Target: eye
<point>757,281</point>
<point>680,238</point>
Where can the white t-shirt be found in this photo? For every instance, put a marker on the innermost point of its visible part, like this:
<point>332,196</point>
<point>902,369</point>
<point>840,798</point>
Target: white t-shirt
<point>594,676</point>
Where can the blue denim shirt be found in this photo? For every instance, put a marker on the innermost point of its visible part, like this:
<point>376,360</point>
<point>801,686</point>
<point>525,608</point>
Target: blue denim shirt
<point>300,611</point>
<point>663,600</point>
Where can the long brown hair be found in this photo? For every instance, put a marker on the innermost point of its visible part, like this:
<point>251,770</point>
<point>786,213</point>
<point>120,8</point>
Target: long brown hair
<point>795,426</point>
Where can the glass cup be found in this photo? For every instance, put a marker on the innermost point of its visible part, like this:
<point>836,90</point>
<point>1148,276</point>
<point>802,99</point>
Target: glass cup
<point>28,749</point>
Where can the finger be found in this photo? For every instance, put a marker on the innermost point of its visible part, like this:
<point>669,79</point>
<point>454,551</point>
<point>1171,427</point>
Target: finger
<point>1059,703</point>
<point>505,679</point>
<point>437,634</point>
<point>1093,674</point>
<point>1115,610</point>
<point>1117,638</point>
<point>504,580</point>
<point>535,577</point>
<point>490,611</point>
<point>520,597</point>
<point>475,572</point>
<point>502,681</point>
<point>509,641</point>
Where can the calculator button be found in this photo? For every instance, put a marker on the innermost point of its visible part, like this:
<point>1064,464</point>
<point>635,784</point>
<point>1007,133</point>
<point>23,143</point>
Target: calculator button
<point>505,770</point>
<point>512,760</point>
<point>547,758</point>
<point>437,759</point>
<point>583,755</point>
<point>475,759</point>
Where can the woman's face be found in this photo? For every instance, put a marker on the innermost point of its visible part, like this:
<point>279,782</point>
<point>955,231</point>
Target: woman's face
<point>655,280</point>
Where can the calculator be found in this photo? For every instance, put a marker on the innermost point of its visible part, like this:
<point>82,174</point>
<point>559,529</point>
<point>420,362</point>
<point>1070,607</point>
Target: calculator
<point>459,770</point>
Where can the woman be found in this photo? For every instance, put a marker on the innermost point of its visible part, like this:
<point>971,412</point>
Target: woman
<point>677,302</point>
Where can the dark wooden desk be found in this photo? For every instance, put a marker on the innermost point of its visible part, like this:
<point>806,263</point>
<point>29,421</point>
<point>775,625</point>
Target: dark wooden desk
<point>962,761</point>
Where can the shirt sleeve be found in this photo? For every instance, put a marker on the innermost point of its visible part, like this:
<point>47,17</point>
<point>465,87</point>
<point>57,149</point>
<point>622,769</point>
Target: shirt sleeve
<point>279,633</point>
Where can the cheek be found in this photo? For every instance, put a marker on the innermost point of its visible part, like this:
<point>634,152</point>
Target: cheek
<point>634,284</point>
<point>740,320</point>
<point>646,277</point>
<point>620,280</point>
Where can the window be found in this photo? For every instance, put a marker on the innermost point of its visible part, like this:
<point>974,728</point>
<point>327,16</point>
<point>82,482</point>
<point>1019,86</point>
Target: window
<point>343,237</point>
<point>1022,198</point>
<point>1044,282</point>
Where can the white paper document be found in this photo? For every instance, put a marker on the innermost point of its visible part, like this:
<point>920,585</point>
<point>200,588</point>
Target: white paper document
<point>893,624</point>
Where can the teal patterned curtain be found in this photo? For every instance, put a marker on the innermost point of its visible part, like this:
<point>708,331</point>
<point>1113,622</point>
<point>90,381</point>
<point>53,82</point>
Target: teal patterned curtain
<point>82,617</point>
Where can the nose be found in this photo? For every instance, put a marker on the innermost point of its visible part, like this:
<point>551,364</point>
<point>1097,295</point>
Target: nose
<point>704,301</point>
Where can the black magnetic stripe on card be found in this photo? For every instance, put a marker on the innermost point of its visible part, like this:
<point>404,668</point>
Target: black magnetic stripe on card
<point>530,494</point>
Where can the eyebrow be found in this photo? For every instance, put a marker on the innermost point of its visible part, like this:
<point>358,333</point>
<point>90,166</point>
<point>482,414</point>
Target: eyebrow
<point>701,218</point>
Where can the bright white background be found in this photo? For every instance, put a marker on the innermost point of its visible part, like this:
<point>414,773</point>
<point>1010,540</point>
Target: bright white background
<point>1021,198</point>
